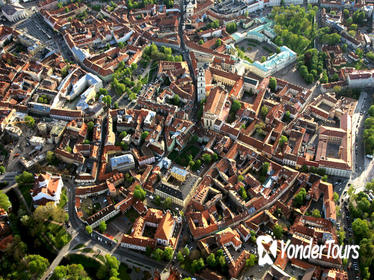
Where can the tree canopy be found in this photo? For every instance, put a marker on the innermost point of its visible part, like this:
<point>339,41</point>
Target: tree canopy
<point>72,271</point>
<point>273,84</point>
<point>102,226</point>
<point>294,27</point>
<point>139,192</point>
<point>4,201</point>
<point>311,65</point>
<point>231,27</point>
<point>299,198</point>
<point>30,121</point>
<point>278,231</point>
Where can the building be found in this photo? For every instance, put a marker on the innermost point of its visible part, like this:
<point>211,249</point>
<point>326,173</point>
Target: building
<point>164,227</point>
<point>47,188</point>
<point>123,162</point>
<point>14,12</point>
<point>274,63</point>
<point>214,106</point>
<point>179,185</point>
<point>179,174</point>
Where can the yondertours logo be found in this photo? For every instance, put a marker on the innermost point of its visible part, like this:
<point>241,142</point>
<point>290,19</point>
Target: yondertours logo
<point>311,251</point>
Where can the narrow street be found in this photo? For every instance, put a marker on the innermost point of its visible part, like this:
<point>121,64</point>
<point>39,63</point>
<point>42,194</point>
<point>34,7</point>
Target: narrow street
<point>61,254</point>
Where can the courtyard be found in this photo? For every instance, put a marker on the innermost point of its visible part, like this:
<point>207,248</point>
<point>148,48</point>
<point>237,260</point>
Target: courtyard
<point>252,49</point>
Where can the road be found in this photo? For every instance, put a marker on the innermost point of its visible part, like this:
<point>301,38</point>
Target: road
<point>61,254</point>
<point>7,189</point>
<point>362,168</point>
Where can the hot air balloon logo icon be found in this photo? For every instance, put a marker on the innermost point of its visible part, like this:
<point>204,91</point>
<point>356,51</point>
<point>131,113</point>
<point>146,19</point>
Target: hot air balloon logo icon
<point>263,255</point>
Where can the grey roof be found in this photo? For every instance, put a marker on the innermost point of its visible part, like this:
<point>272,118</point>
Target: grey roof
<point>10,9</point>
<point>180,192</point>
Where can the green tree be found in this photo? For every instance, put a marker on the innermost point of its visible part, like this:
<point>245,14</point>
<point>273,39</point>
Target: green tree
<point>240,178</point>
<point>47,212</point>
<point>211,260</point>
<point>316,213</point>
<point>167,203</point>
<point>90,125</point>
<point>346,13</point>
<point>102,226</point>
<point>231,27</point>
<point>264,169</point>
<point>123,134</point>
<point>30,121</point>
<point>186,251</point>
<point>336,197</point>
<point>273,84</point>
<point>264,111</point>
<point>144,135</point>
<point>287,116</point>
<point>344,47</point>
<point>235,106</point>
<point>158,254</point>
<point>218,43</point>
<point>283,139</point>
<point>197,265</point>
<point>107,100</point>
<point>88,229</point>
<point>207,157</point>
<point>359,17</point>
<point>109,269</point>
<point>359,52</point>
<point>371,111</point>
<point>324,78</point>
<point>222,261</point>
<point>2,169</point>
<point>214,157</point>
<point>35,265</point>
<point>103,91</point>
<point>341,236</point>
<point>139,192</point>
<point>201,41</point>
<point>299,198</point>
<point>176,99</point>
<point>251,261</point>
<point>370,56</point>
<point>72,271</point>
<point>51,157</point>
<point>4,201</point>
<point>243,193</point>
<point>25,178</point>
<point>278,231</point>
<point>168,253</point>
<point>360,228</point>
<point>180,257</point>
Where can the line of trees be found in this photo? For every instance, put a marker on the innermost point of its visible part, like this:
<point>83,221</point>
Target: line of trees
<point>369,131</point>
<point>362,210</point>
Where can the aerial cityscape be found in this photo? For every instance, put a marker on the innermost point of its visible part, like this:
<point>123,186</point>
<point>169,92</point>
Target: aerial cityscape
<point>186,139</point>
